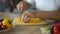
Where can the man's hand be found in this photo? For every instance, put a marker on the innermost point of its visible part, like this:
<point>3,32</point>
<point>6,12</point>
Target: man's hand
<point>26,16</point>
<point>52,15</point>
<point>21,6</point>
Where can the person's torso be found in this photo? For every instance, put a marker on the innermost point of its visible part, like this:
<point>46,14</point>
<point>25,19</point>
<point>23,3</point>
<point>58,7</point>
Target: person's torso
<point>47,5</point>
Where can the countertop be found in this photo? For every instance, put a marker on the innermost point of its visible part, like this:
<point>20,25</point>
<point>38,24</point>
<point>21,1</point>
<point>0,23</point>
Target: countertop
<point>24,30</point>
<point>20,29</point>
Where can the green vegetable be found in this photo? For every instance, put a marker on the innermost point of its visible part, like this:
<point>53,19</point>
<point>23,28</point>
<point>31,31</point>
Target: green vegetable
<point>45,30</point>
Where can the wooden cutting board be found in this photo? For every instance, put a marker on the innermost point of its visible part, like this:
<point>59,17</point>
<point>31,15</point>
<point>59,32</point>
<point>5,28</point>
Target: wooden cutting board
<point>30,24</point>
<point>11,15</point>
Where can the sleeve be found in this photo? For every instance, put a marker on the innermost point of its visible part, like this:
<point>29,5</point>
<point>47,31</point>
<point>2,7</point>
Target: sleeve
<point>31,1</point>
<point>57,2</point>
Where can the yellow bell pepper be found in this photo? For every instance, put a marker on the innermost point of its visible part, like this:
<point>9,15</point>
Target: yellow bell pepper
<point>6,22</point>
<point>35,20</point>
<point>32,20</point>
<point>17,20</point>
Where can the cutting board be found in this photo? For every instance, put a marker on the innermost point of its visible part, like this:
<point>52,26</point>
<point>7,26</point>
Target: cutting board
<point>11,15</point>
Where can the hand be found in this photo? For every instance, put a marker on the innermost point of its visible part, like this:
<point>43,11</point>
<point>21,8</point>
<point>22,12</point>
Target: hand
<point>26,16</point>
<point>21,6</point>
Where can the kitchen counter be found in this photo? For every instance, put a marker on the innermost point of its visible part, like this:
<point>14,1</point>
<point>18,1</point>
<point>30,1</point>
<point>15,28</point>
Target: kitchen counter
<point>20,29</point>
<point>24,30</point>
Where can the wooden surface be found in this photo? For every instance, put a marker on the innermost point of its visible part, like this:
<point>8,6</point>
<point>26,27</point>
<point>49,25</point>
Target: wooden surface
<point>24,30</point>
<point>11,15</point>
<point>20,29</point>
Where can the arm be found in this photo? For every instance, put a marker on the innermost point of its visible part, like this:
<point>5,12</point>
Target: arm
<point>54,15</point>
<point>11,5</point>
<point>50,15</point>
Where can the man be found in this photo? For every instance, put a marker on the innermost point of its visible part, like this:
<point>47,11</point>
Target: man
<point>3,5</point>
<point>46,9</point>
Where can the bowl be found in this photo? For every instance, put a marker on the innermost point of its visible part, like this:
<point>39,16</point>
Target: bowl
<point>13,26</point>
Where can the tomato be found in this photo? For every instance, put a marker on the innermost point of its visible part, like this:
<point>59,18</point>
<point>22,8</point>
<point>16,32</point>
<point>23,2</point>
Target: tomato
<point>4,27</point>
<point>1,24</point>
<point>56,29</point>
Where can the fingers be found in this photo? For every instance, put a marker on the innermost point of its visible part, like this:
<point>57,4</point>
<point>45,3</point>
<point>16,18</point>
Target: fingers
<point>27,20</point>
<point>26,16</point>
<point>19,7</point>
<point>22,6</point>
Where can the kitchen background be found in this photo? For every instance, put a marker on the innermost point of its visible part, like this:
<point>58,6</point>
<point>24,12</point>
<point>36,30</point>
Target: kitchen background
<point>4,7</point>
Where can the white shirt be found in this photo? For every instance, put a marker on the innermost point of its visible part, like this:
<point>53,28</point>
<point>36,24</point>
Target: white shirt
<point>45,5</point>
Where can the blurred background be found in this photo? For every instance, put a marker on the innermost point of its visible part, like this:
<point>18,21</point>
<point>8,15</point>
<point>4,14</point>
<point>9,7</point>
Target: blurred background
<point>4,6</point>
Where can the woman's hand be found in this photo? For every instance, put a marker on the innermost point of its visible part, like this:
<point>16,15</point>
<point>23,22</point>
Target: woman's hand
<point>27,15</point>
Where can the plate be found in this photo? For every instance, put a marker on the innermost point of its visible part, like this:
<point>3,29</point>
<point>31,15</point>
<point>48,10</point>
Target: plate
<point>9,28</point>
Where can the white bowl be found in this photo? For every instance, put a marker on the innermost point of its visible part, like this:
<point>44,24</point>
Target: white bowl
<point>8,28</point>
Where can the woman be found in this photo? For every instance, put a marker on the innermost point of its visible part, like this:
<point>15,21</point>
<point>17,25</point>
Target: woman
<point>3,5</point>
<point>46,9</point>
